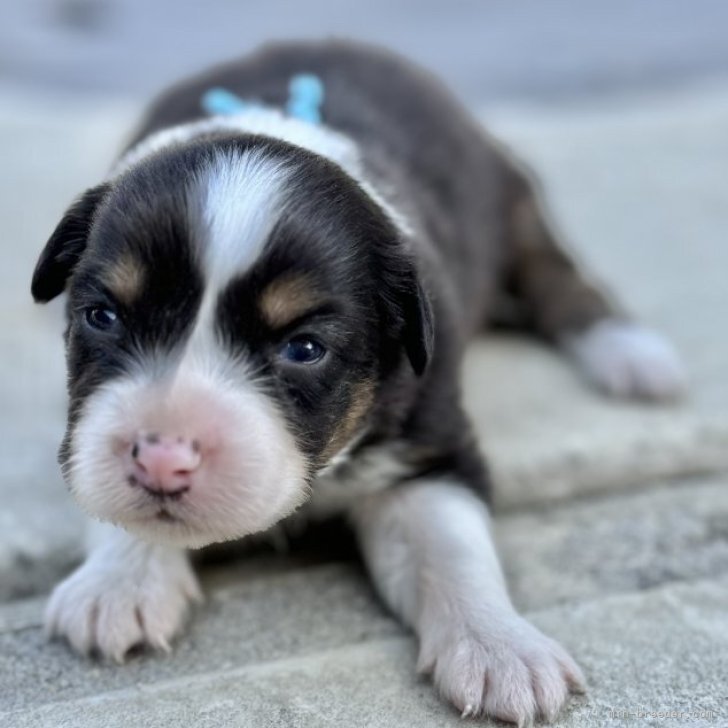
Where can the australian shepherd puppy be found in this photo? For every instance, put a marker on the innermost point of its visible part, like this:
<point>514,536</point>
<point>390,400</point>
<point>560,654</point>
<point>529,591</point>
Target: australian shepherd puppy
<point>268,306</point>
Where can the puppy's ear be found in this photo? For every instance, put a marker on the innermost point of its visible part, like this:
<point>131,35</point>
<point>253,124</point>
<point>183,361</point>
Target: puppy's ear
<point>407,307</point>
<point>419,334</point>
<point>65,246</point>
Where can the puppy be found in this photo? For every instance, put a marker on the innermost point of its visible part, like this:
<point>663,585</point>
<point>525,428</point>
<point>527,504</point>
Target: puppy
<point>267,311</point>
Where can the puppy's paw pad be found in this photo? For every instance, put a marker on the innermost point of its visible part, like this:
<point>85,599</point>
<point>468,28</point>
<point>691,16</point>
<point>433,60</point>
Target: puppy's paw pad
<point>625,359</point>
<point>513,672</point>
<point>111,610</point>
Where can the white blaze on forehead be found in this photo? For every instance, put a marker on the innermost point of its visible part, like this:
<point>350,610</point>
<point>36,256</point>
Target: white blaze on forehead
<point>235,202</point>
<point>237,198</point>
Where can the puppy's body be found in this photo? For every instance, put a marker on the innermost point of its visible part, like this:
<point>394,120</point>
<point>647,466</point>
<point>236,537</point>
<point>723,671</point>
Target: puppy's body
<point>264,312</point>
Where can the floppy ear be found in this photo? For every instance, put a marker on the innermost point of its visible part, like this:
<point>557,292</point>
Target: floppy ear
<point>407,307</point>
<point>418,333</point>
<point>65,246</point>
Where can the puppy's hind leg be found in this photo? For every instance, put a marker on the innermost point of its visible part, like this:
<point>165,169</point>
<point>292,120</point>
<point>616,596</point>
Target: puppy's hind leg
<point>620,356</point>
<point>428,547</point>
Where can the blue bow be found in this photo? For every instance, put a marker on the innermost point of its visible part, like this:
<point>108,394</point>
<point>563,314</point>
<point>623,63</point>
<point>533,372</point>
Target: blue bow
<point>305,98</point>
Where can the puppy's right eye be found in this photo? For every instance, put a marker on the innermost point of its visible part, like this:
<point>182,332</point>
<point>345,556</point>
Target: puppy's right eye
<point>303,350</point>
<point>100,318</point>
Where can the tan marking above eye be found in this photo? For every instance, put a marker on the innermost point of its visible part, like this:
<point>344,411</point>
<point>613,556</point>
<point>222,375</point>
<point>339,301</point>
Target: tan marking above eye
<point>124,278</point>
<point>287,298</point>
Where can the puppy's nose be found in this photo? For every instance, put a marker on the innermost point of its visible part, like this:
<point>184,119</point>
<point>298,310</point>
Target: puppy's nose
<point>164,465</point>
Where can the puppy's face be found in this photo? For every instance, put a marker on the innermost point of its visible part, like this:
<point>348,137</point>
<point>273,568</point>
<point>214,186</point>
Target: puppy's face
<point>234,307</point>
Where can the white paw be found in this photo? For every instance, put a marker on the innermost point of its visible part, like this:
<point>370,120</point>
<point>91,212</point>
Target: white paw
<point>507,670</point>
<point>628,360</point>
<point>109,606</point>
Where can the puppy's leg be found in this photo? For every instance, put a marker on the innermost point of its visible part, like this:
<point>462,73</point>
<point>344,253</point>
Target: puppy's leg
<point>430,553</point>
<point>126,593</point>
<point>618,355</point>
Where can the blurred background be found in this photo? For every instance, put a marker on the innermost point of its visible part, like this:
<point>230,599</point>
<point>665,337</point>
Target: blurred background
<point>486,49</point>
<point>612,517</point>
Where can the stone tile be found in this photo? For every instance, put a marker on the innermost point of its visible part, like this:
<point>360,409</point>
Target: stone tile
<point>635,541</point>
<point>248,619</point>
<point>620,641</point>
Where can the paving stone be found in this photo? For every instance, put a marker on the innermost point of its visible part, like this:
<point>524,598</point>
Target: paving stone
<point>620,641</point>
<point>635,541</point>
<point>251,618</point>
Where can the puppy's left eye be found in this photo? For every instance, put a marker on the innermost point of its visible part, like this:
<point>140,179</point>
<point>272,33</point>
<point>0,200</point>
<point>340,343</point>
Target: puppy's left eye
<point>100,318</point>
<point>302,350</point>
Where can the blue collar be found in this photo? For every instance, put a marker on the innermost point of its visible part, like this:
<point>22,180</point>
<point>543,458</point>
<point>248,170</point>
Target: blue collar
<point>305,98</point>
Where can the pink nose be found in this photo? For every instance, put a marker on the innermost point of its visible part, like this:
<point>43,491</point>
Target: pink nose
<point>164,465</point>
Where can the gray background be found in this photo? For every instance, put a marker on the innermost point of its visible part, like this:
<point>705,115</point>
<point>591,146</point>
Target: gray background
<point>486,49</point>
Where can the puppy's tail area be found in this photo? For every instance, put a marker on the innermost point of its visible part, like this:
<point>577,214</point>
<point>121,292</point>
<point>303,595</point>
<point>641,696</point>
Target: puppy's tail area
<point>556,300</point>
<point>545,290</point>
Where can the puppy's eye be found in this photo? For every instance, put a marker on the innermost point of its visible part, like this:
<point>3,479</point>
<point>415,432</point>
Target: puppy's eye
<point>100,318</point>
<point>302,350</point>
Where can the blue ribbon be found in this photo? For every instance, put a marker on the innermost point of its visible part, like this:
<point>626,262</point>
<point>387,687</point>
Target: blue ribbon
<point>305,98</point>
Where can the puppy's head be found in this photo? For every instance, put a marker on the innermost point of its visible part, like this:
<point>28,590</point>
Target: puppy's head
<point>234,307</point>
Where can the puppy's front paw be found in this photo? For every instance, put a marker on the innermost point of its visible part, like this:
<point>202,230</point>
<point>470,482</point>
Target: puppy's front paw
<point>506,669</point>
<point>628,360</point>
<point>111,606</point>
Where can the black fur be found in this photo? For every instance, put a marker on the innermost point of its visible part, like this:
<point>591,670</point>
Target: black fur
<point>65,246</point>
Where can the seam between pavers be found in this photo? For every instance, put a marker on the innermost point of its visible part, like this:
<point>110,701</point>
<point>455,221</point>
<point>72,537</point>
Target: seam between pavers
<point>37,602</point>
<point>650,483</point>
<point>717,578</point>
